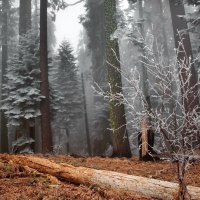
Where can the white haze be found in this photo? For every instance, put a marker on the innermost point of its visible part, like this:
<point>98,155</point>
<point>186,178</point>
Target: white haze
<point>67,24</point>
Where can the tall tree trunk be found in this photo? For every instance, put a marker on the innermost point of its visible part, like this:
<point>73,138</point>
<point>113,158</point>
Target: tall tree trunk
<point>144,135</point>
<point>24,17</point>
<point>144,78</point>
<point>179,24</point>
<point>190,99</point>
<point>117,112</point>
<point>158,28</point>
<point>161,51</point>
<point>44,87</point>
<point>36,130</point>
<point>95,26</point>
<point>86,118</point>
<point>4,130</point>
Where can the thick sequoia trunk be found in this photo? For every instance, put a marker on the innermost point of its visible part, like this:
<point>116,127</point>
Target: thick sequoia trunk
<point>81,175</point>
<point>44,87</point>
<point>184,52</point>
<point>116,109</point>
<point>187,75</point>
<point>96,36</point>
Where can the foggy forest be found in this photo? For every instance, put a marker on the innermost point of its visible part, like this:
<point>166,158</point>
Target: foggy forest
<point>99,99</point>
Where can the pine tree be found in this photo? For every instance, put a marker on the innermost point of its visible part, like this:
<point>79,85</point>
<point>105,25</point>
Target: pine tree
<point>21,91</point>
<point>67,84</point>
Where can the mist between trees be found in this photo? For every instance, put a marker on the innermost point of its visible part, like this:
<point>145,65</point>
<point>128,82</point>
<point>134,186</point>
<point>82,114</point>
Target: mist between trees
<point>135,71</point>
<point>131,88</point>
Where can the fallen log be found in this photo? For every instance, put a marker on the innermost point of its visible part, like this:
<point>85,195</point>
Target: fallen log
<point>82,175</point>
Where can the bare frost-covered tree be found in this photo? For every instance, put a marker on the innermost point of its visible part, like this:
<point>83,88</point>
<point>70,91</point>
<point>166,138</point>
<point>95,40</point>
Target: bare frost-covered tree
<point>176,127</point>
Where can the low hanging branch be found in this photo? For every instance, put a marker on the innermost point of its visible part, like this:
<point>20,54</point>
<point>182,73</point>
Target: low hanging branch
<point>73,4</point>
<point>61,4</point>
<point>81,175</point>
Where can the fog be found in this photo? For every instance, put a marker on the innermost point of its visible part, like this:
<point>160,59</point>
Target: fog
<point>78,71</point>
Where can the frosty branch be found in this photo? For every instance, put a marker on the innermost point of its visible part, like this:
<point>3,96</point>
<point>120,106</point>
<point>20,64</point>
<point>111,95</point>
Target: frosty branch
<point>175,126</point>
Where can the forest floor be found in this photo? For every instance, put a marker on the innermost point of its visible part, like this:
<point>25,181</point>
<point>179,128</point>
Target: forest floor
<point>19,184</point>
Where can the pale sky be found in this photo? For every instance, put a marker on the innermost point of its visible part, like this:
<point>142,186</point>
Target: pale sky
<point>67,24</point>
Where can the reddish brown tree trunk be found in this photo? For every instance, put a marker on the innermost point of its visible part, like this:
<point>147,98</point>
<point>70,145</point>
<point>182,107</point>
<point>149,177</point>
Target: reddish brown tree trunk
<point>179,24</point>
<point>188,78</point>
<point>45,104</point>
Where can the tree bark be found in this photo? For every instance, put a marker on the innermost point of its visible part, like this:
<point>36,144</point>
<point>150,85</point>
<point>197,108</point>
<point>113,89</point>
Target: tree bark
<point>188,78</point>
<point>4,130</point>
<point>191,100</point>
<point>145,88</point>
<point>24,16</point>
<point>96,33</point>
<point>87,176</point>
<point>44,87</point>
<point>121,145</point>
<point>86,119</point>
<point>158,27</point>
